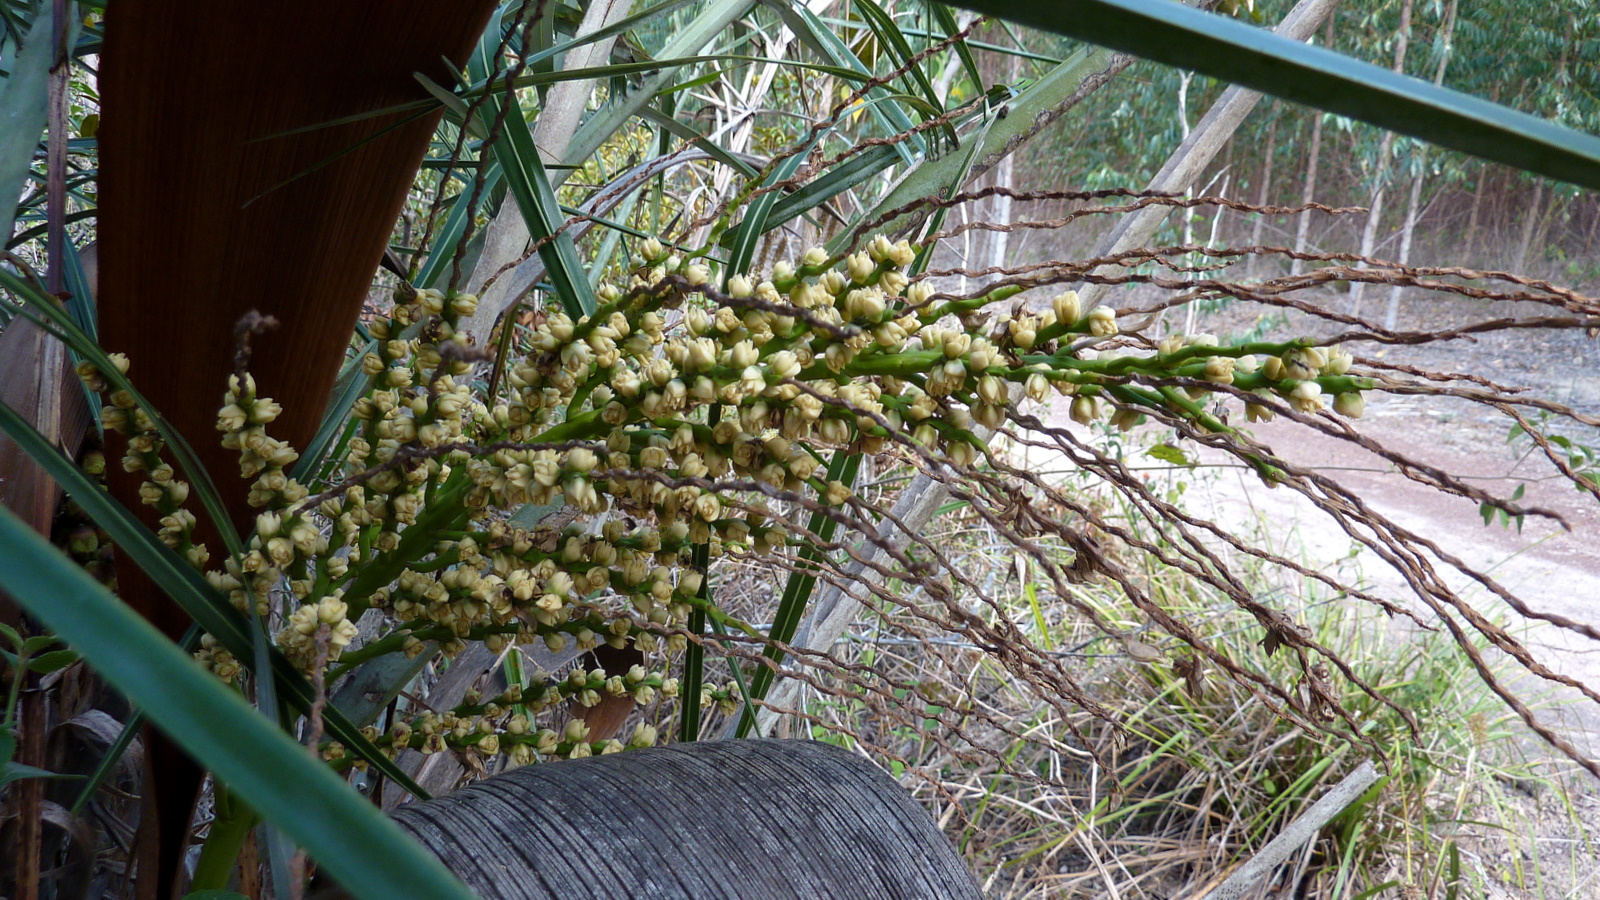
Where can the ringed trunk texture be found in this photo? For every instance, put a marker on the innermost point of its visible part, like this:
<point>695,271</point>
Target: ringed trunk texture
<point>212,205</point>
<point>740,820</point>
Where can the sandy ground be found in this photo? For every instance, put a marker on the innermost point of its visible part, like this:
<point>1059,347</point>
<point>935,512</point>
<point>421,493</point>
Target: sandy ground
<point>1549,567</point>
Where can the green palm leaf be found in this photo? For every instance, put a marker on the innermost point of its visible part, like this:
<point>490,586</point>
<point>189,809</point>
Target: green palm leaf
<point>347,835</point>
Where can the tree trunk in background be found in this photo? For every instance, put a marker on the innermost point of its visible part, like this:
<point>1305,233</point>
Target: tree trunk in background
<point>1185,164</point>
<point>1303,228</point>
<point>506,237</point>
<point>1406,233</point>
<point>1422,172</point>
<point>1221,215</point>
<point>1594,225</point>
<point>1369,232</point>
<point>1530,218</point>
<point>1266,189</point>
<point>1541,234</point>
<point>1470,239</point>
<point>999,241</point>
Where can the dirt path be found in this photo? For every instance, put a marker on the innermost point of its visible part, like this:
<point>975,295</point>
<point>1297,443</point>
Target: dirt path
<point>1550,568</point>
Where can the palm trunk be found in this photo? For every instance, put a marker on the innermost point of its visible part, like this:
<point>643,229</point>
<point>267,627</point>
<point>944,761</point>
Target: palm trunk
<point>844,828</point>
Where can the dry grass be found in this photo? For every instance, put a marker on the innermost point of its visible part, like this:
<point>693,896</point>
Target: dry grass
<point>1206,773</point>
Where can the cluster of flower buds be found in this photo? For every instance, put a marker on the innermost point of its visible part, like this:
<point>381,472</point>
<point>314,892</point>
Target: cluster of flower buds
<point>217,660</point>
<point>507,723</point>
<point>162,489</point>
<point>666,418</point>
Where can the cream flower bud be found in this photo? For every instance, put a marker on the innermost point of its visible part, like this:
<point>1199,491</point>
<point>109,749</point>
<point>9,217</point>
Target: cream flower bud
<point>1067,307</point>
<point>1338,362</point>
<point>860,267</point>
<point>740,287</point>
<point>784,364</point>
<point>833,283</point>
<point>229,418</point>
<point>576,730</point>
<point>1350,404</point>
<point>879,248</point>
<point>698,321</point>
<point>1219,370</point>
<point>582,459</point>
<point>1102,321</point>
<point>644,735</point>
<point>992,390</point>
<point>743,354</point>
<point>1037,387</point>
<point>689,582</point>
<point>814,256</point>
<point>1306,397</point>
<point>1303,363</point>
<point>837,493</point>
<point>1085,409</point>
<point>708,507</point>
<point>893,282</point>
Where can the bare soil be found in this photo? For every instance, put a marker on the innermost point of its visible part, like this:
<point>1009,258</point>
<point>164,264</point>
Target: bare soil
<point>1552,563</point>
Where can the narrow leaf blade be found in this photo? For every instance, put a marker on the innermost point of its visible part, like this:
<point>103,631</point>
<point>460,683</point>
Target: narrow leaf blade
<point>351,838</point>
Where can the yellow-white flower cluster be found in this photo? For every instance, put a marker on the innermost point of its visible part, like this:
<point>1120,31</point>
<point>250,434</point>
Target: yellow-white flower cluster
<point>666,418</point>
